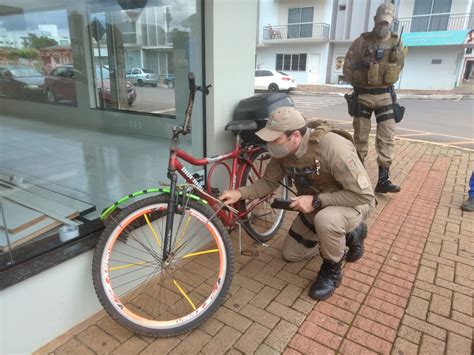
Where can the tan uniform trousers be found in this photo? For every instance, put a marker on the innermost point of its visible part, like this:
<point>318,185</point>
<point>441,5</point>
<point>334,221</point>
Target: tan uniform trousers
<point>331,225</point>
<point>385,130</point>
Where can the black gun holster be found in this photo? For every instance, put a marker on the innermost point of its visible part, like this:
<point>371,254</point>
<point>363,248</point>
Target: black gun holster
<point>398,111</point>
<point>352,105</point>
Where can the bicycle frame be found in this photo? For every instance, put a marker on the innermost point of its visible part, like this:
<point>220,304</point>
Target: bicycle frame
<point>235,173</point>
<point>239,163</point>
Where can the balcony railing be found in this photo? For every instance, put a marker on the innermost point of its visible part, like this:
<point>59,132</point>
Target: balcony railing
<point>435,22</point>
<point>296,31</point>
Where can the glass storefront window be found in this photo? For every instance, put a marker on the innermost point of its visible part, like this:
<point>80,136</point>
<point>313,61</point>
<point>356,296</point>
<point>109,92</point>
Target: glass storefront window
<point>149,39</point>
<point>32,45</point>
<point>116,72</point>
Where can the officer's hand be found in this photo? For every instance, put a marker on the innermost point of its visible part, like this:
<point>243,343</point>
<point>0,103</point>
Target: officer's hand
<point>302,203</point>
<point>230,196</point>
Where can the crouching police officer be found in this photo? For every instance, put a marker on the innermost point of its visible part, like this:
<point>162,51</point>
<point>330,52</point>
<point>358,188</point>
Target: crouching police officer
<point>372,65</point>
<point>334,199</point>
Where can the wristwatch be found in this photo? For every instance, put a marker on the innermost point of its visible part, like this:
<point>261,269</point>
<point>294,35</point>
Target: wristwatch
<point>316,203</point>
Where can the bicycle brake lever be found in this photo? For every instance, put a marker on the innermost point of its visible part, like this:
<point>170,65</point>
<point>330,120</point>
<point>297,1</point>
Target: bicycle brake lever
<point>204,89</point>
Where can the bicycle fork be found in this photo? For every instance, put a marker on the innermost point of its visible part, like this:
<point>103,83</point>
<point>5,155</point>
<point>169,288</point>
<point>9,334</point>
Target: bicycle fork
<point>170,217</point>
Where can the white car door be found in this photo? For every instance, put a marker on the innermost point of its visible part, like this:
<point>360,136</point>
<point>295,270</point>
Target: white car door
<point>258,80</point>
<point>267,79</point>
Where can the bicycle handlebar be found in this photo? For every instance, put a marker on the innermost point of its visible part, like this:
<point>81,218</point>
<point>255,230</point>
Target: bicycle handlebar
<point>192,91</point>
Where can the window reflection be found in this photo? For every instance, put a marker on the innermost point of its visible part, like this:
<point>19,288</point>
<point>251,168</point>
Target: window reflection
<point>149,38</point>
<point>32,45</point>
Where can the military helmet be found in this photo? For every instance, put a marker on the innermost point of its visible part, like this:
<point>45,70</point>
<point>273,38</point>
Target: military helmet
<point>385,12</point>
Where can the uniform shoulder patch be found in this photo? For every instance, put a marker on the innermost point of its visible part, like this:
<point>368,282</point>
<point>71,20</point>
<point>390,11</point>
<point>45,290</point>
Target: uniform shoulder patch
<point>350,163</point>
<point>363,181</point>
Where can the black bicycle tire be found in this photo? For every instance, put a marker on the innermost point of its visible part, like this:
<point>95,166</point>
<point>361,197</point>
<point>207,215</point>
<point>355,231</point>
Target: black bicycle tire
<point>242,206</point>
<point>180,329</point>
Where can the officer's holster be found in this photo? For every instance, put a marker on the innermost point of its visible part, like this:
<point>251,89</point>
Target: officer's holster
<point>398,110</point>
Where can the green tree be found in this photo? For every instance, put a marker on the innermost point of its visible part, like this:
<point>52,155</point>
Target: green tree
<point>28,53</point>
<point>13,54</point>
<point>33,41</point>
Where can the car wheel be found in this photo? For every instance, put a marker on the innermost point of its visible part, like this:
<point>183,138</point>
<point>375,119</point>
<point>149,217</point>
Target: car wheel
<point>273,87</point>
<point>154,85</point>
<point>140,82</point>
<point>170,84</point>
<point>51,97</point>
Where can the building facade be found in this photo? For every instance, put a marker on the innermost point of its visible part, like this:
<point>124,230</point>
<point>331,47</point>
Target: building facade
<point>435,33</point>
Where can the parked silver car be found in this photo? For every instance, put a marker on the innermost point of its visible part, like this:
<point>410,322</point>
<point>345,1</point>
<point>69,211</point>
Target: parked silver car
<point>141,77</point>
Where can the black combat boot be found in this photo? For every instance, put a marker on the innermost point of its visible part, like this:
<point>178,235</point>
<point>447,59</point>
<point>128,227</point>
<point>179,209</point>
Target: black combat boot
<point>329,277</point>
<point>384,185</point>
<point>355,242</point>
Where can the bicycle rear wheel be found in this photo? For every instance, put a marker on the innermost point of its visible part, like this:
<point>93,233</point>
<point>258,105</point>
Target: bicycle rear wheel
<point>156,298</point>
<point>263,221</point>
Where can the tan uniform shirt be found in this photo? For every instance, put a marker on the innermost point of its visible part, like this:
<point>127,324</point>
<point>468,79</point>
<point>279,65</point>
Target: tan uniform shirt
<point>358,54</point>
<point>342,179</point>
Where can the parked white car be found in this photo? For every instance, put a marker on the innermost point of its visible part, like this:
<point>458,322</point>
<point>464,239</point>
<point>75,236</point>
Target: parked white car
<point>273,80</point>
<point>141,77</point>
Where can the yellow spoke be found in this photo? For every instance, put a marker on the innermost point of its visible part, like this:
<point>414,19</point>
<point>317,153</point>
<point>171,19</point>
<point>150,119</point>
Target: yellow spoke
<point>152,230</point>
<point>127,266</point>
<point>201,252</point>
<point>185,229</point>
<point>184,294</point>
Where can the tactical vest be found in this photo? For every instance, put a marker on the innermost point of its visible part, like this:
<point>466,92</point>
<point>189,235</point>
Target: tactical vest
<point>383,68</point>
<point>307,173</point>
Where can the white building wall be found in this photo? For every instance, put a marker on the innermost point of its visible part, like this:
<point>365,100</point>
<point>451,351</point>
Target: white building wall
<point>341,20</point>
<point>406,8</point>
<point>51,303</point>
<point>358,18</point>
<point>266,58</point>
<point>284,5</point>
<point>228,53</point>
<point>419,73</point>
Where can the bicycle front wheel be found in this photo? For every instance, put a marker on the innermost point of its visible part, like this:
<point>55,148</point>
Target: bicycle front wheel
<point>157,297</point>
<point>263,221</point>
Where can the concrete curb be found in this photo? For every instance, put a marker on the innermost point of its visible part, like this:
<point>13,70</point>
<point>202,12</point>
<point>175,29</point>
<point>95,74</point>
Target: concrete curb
<point>455,97</point>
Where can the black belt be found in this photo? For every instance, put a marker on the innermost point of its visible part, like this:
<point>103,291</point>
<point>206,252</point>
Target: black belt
<point>306,242</point>
<point>373,91</point>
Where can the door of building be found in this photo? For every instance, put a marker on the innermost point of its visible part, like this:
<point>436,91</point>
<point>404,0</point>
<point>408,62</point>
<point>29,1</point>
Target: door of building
<point>314,68</point>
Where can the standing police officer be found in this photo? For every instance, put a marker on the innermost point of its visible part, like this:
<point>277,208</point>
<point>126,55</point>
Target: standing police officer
<point>372,65</point>
<point>335,195</point>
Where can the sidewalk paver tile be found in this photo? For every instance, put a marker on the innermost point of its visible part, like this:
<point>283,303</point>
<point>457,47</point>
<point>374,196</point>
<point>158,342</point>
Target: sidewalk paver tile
<point>132,345</point>
<point>411,293</point>
<point>252,338</point>
<point>281,335</point>
<point>223,341</point>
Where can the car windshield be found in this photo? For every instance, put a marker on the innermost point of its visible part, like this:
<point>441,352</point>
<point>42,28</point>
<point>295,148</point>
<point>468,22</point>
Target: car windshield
<point>148,71</point>
<point>22,72</point>
<point>104,75</point>
<point>282,73</point>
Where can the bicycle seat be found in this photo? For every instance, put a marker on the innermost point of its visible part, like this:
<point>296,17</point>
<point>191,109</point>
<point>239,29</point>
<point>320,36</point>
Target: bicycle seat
<point>240,126</point>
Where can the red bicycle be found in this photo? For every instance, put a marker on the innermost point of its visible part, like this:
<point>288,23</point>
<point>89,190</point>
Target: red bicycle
<point>164,264</point>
